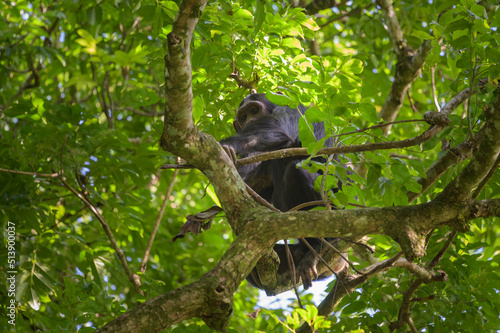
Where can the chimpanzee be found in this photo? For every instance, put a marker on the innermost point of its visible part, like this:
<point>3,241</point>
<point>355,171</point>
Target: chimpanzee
<point>263,126</point>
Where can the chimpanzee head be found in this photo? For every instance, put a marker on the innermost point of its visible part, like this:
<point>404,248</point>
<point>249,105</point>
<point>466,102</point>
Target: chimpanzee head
<point>252,108</point>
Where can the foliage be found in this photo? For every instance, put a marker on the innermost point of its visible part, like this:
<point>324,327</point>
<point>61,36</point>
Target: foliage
<point>82,92</point>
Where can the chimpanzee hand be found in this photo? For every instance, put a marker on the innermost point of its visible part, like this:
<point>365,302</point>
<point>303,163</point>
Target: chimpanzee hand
<point>306,269</point>
<point>230,152</point>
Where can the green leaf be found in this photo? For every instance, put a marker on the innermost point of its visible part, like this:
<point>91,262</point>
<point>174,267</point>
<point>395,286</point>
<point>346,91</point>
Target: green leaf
<point>306,133</point>
<point>94,15</point>
<point>157,20</point>
<point>33,300</point>
<point>292,43</point>
<point>422,35</point>
<point>353,66</point>
<point>316,115</point>
<point>259,16</point>
<point>461,24</point>
<point>21,109</point>
<point>277,98</point>
<point>86,36</point>
<point>368,111</point>
<point>243,14</point>
<point>307,22</point>
<point>307,85</point>
<point>412,185</point>
<point>355,306</point>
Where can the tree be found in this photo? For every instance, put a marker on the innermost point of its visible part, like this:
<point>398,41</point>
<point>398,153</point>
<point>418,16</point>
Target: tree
<point>409,91</point>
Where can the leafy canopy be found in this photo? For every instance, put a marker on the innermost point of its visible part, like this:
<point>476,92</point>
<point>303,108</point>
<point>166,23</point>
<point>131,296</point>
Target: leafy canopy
<point>82,92</point>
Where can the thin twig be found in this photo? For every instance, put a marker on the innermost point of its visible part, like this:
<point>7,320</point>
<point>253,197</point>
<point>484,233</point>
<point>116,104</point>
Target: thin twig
<point>303,240</point>
<point>404,310</point>
<point>381,125</point>
<point>412,105</point>
<point>335,295</point>
<point>157,222</point>
<point>36,174</point>
<point>372,146</point>
<point>134,278</point>
<point>486,179</point>
<point>433,84</point>
<point>441,252</point>
<point>291,268</point>
<point>142,113</point>
<point>126,32</point>
<point>340,254</point>
<point>346,14</point>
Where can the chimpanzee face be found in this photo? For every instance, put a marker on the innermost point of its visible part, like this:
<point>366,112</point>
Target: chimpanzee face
<point>252,108</point>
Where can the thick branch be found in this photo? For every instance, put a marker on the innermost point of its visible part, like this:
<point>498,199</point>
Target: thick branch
<point>180,136</point>
<point>482,162</point>
<point>178,80</point>
<point>452,157</point>
<point>210,298</point>
<point>407,70</point>
<point>262,230</point>
<point>393,26</point>
<point>407,225</point>
<point>408,66</point>
<point>455,102</point>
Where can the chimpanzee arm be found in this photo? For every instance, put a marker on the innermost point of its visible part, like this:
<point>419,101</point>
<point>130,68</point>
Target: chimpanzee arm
<point>266,134</point>
<point>258,177</point>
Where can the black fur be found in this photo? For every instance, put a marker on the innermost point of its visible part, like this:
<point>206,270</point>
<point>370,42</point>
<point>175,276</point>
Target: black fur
<point>263,126</point>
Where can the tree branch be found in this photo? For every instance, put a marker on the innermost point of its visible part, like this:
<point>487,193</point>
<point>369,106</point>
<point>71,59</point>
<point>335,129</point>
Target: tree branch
<point>134,278</point>
<point>157,222</point>
<point>408,67</point>
<point>393,27</point>
<point>407,70</point>
<point>180,136</point>
<point>142,113</point>
<point>452,157</point>
<point>424,277</point>
<point>483,160</point>
<point>316,5</point>
<point>346,14</point>
<point>427,135</point>
<point>178,80</point>
<point>36,174</point>
<point>342,289</point>
<point>257,236</point>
